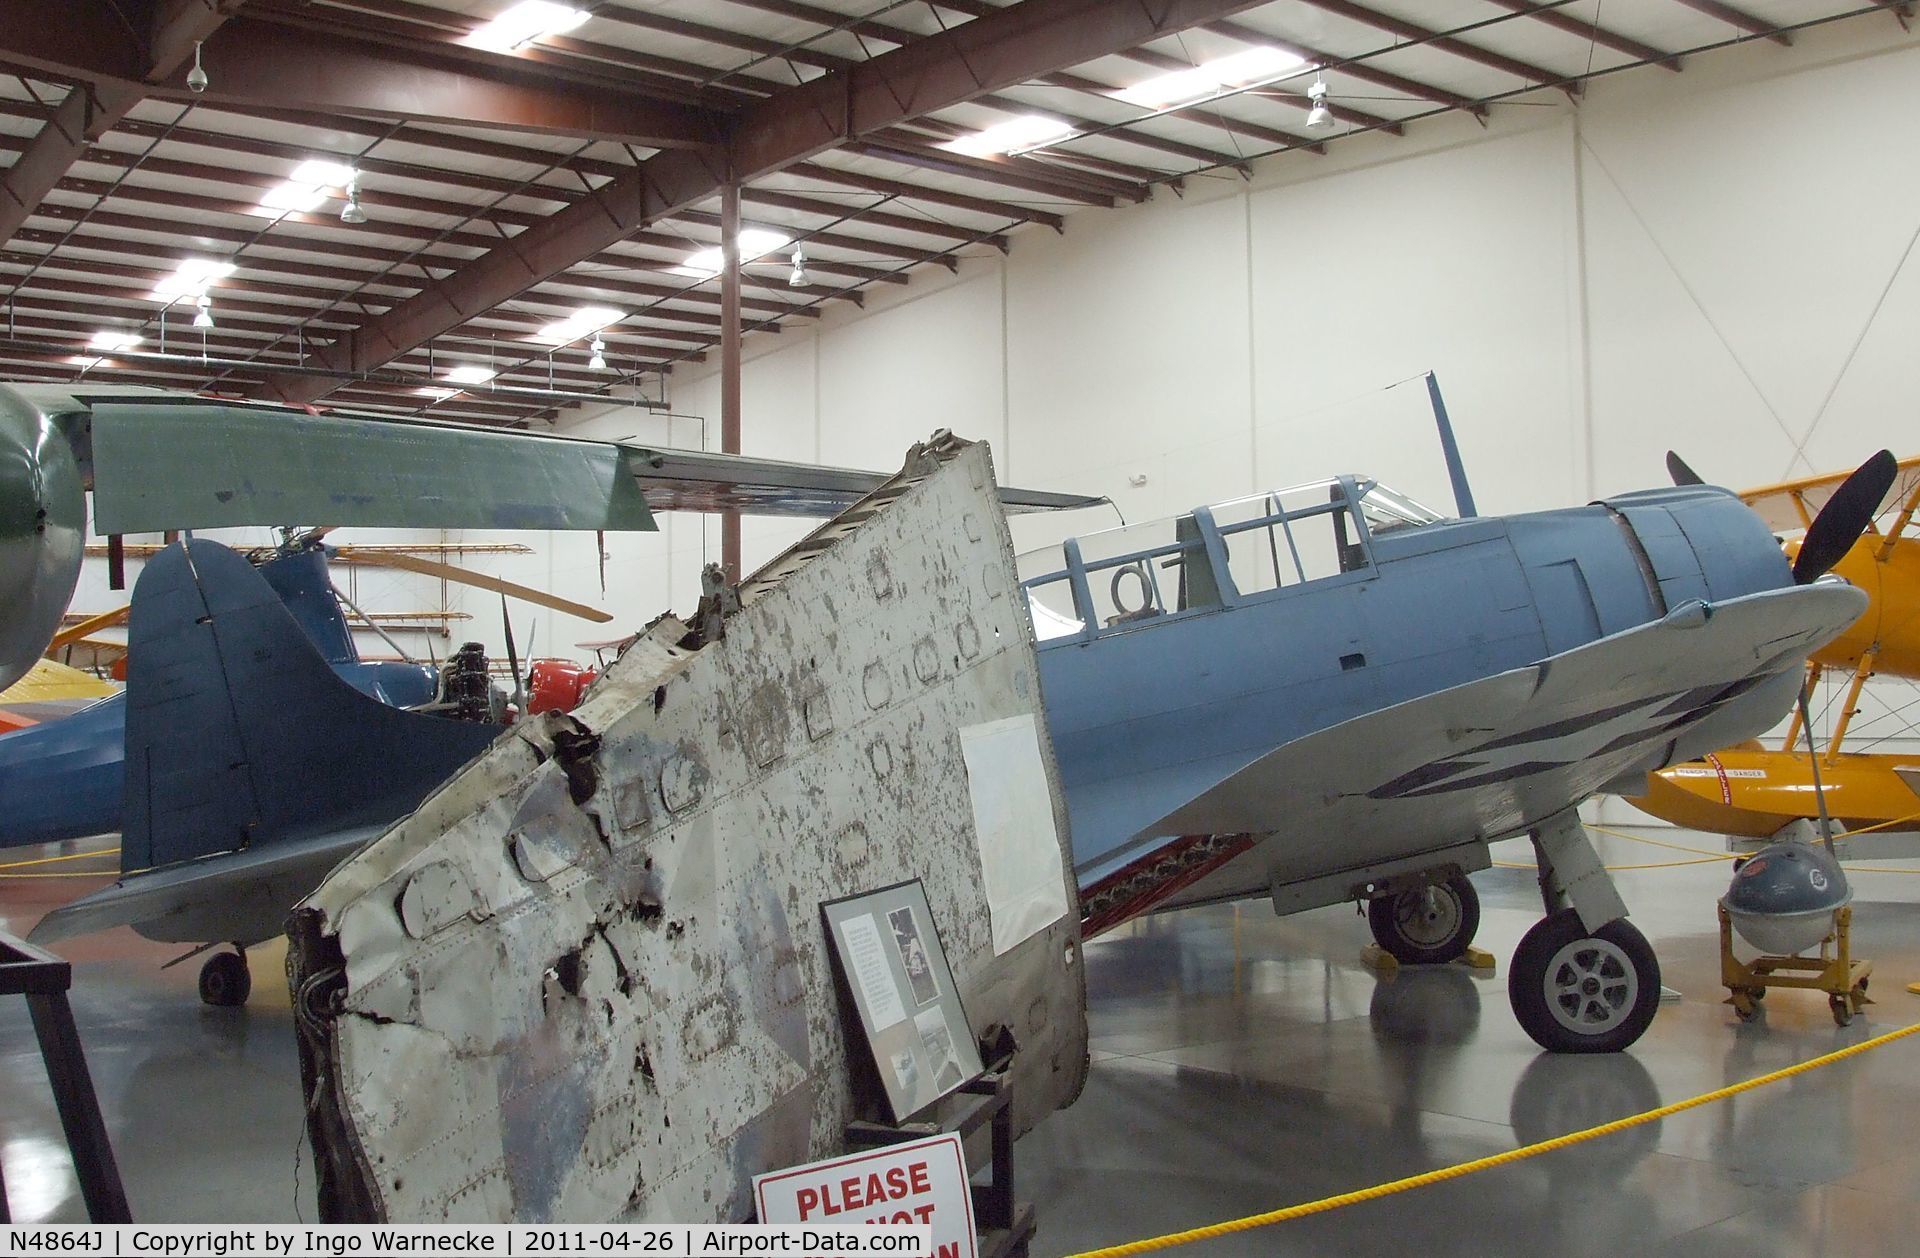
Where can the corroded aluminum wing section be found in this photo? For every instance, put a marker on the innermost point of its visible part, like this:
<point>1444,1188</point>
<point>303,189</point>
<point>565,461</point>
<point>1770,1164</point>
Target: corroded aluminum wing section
<point>587,980</point>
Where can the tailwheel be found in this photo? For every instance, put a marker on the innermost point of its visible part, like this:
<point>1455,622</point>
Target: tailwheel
<point>225,980</point>
<point>1576,992</point>
<point>1428,925</point>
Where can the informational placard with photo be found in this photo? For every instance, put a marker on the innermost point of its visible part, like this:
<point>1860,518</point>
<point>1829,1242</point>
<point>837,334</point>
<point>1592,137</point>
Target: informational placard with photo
<point>889,950</point>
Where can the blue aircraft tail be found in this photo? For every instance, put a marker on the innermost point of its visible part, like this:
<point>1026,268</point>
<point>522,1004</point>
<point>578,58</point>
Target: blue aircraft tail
<point>241,736</point>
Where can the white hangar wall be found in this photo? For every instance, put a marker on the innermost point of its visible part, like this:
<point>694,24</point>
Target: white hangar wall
<point>1719,261</point>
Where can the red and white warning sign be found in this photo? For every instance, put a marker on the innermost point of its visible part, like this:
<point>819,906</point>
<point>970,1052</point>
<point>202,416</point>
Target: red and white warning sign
<point>924,1182</point>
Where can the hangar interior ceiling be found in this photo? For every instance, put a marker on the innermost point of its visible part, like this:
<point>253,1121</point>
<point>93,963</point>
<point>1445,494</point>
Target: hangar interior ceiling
<point>371,195</point>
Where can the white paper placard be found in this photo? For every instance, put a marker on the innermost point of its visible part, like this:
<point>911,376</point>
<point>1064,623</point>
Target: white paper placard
<point>870,971</point>
<point>923,1182</point>
<point>1013,819</point>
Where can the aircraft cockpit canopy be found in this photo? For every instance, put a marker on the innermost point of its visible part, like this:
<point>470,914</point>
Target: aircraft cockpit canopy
<point>1212,557</point>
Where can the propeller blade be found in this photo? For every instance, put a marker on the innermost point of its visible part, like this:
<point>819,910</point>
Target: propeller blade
<point>1845,517</point>
<point>105,620</point>
<point>461,576</point>
<point>513,660</point>
<point>311,536</point>
<point>1682,474</point>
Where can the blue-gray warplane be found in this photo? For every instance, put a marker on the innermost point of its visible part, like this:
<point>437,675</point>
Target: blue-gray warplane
<point>1320,694</point>
<point>1331,693</point>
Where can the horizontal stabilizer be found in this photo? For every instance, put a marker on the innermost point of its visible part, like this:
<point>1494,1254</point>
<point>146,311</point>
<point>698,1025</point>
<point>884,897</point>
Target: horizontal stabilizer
<point>240,897</point>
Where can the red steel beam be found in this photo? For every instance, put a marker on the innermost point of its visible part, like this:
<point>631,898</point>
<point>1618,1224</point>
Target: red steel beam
<point>1006,48</point>
<point>1434,39</point>
<point>730,366</point>
<point>1593,31</point>
<point>1360,70</point>
<point>91,110</point>
<point>406,25</point>
<point>1014,172</point>
<point>1741,19</point>
<point>257,64</point>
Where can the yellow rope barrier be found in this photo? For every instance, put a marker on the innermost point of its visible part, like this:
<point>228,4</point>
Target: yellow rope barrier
<point>1708,854</point>
<point>1458,1170</point>
<point>54,860</point>
<point>1708,860</point>
<point>1675,847</point>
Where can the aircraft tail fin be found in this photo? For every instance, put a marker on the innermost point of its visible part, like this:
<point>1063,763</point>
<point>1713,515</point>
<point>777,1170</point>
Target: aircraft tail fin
<point>240,735</point>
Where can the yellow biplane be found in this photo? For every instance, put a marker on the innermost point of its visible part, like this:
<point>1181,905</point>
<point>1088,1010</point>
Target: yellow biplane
<point>47,692</point>
<point>1752,792</point>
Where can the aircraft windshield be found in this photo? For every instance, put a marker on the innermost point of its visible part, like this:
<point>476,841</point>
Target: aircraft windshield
<point>1387,510</point>
<point>1119,578</point>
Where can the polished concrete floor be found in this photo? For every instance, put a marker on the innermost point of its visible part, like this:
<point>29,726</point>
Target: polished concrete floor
<point>1241,1063</point>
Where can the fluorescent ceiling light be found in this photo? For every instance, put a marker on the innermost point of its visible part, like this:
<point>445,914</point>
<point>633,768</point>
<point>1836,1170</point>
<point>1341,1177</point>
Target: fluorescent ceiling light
<point>191,279</point>
<point>1023,132</point>
<point>438,395</point>
<point>113,342</point>
<point>310,184</point>
<point>586,320</point>
<point>755,243</point>
<point>470,374</point>
<point>1183,87</point>
<point>523,23</point>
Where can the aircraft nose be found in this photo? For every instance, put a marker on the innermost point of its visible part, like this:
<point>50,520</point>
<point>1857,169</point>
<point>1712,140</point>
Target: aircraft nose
<point>1697,542</point>
<point>42,531</point>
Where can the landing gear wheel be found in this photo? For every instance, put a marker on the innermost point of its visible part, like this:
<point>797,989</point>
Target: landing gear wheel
<point>225,980</point>
<point>1429,925</point>
<point>1580,993</point>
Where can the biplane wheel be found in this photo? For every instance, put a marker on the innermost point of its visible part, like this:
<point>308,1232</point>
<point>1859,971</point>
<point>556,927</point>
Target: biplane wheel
<point>1428,925</point>
<point>1575,992</point>
<point>225,980</point>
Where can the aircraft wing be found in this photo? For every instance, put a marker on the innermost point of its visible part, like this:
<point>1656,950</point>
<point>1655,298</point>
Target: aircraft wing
<point>48,692</point>
<point>51,682</point>
<point>1790,505</point>
<point>1497,756</point>
<point>239,896</point>
<point>189,462</point>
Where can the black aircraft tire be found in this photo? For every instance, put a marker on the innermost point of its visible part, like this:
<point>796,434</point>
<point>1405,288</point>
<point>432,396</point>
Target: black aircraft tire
<point>225,980</point>
<point>1580,993</point>
<point>1412,934</point>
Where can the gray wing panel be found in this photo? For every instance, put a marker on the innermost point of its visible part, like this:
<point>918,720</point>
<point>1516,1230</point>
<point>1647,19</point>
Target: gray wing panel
<point>196,464</point>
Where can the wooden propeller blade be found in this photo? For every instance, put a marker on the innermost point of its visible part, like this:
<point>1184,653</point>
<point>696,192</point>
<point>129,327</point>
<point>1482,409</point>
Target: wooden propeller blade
<point>427,567</point>
<point>105,620</point>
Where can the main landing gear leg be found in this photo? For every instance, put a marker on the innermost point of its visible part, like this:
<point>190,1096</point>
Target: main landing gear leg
<point>1583,980</point>
<point>225,979</point>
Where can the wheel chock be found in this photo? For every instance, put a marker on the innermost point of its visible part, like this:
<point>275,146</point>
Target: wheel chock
<point>1914,988</point>
<point>1374,957</point>
<point>1479,959</point>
